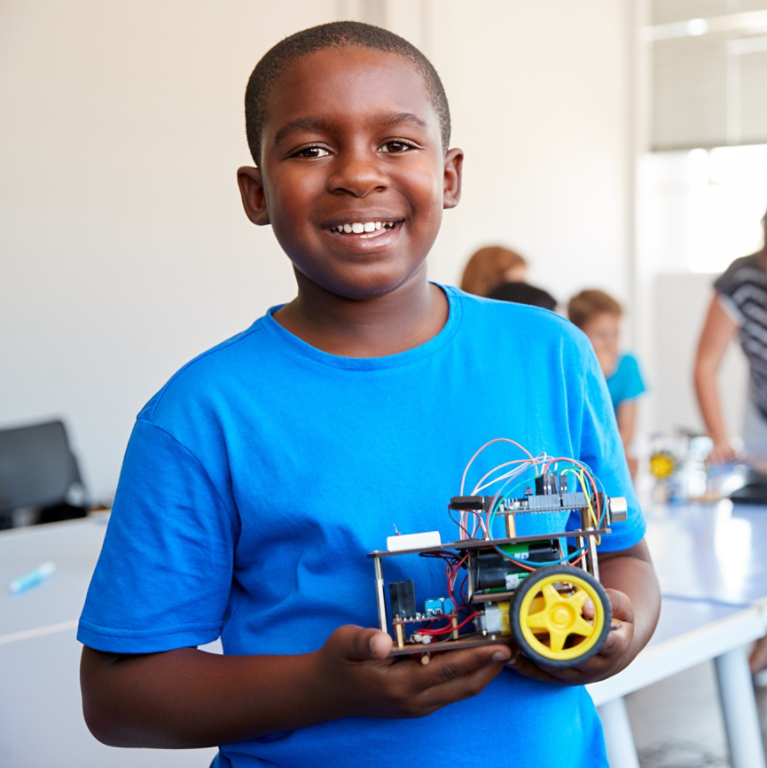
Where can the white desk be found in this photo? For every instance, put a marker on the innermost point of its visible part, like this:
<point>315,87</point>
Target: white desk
<point>713,577</point>
<point>689,633</point>
<point>41,722</point>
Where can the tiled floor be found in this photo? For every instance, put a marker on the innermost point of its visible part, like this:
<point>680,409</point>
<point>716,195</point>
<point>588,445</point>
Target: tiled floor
<point>677,722</point>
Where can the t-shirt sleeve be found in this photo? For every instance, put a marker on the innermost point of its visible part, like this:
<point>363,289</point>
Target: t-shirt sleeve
<point>730,308</point>
<point>634,383</point>
<point>164,575</point>
<point>601,449</point>
<point>726,285</point>
<point>728,281</point>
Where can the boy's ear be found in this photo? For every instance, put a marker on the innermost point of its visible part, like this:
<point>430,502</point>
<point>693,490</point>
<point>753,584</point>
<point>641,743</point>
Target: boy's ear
<point>451,190</point>
<point>252,193</point>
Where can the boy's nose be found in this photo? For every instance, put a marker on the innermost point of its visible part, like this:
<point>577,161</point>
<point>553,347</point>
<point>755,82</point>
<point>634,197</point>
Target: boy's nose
<point>358,174</point>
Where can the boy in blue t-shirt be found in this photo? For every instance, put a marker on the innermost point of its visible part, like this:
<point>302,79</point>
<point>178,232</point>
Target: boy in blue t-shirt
<point>258,478</point>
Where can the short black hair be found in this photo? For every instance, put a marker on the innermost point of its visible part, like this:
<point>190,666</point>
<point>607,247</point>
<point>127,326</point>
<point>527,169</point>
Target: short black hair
<point>524,293</point>
<point>336,34</point>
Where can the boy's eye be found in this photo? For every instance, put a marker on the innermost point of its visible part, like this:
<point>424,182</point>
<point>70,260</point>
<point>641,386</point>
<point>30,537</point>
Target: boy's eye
<point>397,147</point>
<point>312,152</point>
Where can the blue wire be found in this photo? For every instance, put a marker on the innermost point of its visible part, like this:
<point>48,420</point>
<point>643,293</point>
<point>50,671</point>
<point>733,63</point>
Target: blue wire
<point>500,497</point>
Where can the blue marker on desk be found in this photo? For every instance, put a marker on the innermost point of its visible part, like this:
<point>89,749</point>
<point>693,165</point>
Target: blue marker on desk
<point>32,579</point>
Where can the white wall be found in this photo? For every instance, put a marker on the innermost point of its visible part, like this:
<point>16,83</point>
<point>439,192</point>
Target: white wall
<point>124,250</point>
<point>673,302</point>
<point>541,98</point>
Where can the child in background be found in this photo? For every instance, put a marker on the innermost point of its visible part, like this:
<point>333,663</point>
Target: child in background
<point>491,266</point>
<point>598,315</point>
<point>524,293</point>
<point>258,478</point>
<point>500,273</point>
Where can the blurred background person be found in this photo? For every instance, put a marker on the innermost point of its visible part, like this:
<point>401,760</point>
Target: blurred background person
<point>491,266</point>
<point>496,272</point>
<point>524,293</point>
<point>739,304</point>
<point>598,315</point>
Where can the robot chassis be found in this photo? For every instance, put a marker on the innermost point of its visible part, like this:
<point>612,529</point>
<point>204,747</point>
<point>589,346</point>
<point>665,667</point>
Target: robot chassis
<point>538,608</point>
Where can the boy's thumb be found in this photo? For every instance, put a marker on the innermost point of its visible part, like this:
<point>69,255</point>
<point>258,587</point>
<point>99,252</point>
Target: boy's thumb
<point>380,644</point>
<point>359,643</point>
<point>363,643</point>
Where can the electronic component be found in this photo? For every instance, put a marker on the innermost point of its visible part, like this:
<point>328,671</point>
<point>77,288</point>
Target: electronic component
<point>433,607</point>
<point>550,482</point>
<point>619,509</point>
<point>495,619</point>
<point>491,568</point>
<point>402,594</point>
<point>438,606</point>
<point>467,502</point>
<point>405,541</point>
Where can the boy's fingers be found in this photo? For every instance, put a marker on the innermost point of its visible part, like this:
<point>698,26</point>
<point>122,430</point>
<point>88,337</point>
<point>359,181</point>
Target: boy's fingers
<point>362,643</point>
<point>453,665</point>
<point>463,687</point>
<point>523,666</point>
<point>588,671</point>
<point>460,675</point>
<point>622,608</point>
<point>619,637</point>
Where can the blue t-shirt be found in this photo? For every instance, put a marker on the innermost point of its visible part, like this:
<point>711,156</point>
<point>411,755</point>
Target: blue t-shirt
<point>625,383</point>
<point>257,480</point>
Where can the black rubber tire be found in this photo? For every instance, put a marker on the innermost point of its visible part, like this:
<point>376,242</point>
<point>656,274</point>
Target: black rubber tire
<point>530,583</point>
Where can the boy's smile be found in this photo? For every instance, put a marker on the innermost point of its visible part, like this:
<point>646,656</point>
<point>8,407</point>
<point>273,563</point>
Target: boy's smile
<point>353,177</point>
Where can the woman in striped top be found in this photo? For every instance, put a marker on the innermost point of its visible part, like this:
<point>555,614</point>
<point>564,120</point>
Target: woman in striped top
<point>739,306</point>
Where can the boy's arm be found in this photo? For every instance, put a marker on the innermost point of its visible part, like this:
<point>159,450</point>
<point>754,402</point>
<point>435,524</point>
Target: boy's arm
<point>189,698</point>
<point>629,579</point>
<point>626,416</point>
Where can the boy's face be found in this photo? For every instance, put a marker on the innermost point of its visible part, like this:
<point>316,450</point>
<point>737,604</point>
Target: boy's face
<point>603,331</point>
<point>352,141</point>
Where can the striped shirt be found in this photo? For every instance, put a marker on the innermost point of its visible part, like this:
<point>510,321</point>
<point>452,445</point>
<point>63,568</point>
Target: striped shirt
<point>743,295</point>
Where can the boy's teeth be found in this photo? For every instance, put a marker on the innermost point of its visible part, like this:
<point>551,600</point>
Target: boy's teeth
<point>358,228</point>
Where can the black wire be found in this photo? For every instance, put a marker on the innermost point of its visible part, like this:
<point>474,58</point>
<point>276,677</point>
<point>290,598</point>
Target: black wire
<point>450,513</point>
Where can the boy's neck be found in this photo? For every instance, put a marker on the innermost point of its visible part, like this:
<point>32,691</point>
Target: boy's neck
<point>386,325</point>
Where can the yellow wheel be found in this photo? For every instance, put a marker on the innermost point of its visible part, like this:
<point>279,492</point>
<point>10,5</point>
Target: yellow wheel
<point>662,465</point>
<point>547,616</point>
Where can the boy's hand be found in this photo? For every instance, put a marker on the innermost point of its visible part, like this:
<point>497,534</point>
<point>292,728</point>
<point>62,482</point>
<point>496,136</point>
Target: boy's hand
<point>612,657</point>
<point>629,580</point>
<point>356,673</point>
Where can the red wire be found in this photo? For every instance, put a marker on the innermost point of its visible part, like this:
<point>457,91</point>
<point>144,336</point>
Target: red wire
<point>578,559</point>
<point>451,628</point>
